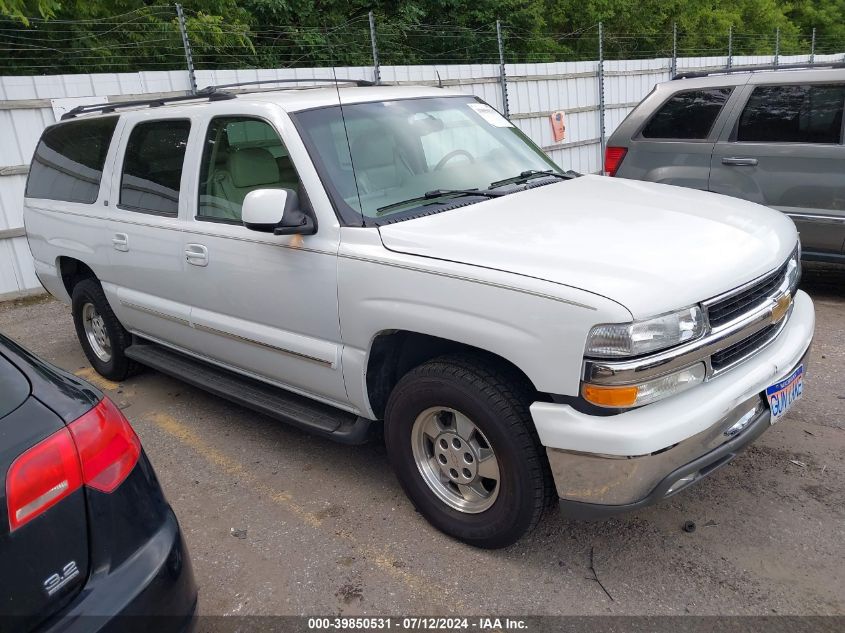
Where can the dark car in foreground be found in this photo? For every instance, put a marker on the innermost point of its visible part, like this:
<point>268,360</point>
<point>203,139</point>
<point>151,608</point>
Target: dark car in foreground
<point>87,539</point>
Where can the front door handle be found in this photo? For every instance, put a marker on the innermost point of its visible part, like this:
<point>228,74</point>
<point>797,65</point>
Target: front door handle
<point>120,242</point>
<point>196,254</point>
<point>739,161</point>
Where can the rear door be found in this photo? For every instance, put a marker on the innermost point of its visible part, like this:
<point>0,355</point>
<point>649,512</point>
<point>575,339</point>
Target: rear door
<point>44,561</point>
<point>674,145</point>
<point>785,151</point>
<point>147,261</point>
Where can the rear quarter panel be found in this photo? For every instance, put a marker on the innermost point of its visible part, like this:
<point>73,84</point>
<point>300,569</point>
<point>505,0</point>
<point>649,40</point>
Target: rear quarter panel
<point>685,163</point>
<point>57,228</point>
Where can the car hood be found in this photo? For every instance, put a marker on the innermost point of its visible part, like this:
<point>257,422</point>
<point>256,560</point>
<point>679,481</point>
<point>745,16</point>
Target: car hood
<point>653,248</point>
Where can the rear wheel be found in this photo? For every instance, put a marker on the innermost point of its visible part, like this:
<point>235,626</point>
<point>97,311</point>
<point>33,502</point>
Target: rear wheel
<point>104,340</point>
<point>462,442</point>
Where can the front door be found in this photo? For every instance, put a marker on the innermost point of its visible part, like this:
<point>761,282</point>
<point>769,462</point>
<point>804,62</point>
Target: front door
<point>265,305</point>
<point>786,152</point>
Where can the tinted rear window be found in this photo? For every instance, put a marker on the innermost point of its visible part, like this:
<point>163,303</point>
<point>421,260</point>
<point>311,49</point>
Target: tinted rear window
<point>68,162</point>
<point>14,387</point>
<point>152,167</point>
<point>688,115</point>
<point>793,114</point>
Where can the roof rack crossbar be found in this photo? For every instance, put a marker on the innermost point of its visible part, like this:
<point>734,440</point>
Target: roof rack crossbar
<point>357,82</point>
<point>107,108</point>
<point>767,67</point>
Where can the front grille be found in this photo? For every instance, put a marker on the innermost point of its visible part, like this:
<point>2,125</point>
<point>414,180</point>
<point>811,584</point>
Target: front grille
<point>731,307</point>
<point>738,351</point>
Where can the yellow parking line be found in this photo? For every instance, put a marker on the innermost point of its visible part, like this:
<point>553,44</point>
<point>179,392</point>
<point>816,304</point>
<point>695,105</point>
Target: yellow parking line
<point>231,467</point>
<point>377,555</point>
<point>90,374</point>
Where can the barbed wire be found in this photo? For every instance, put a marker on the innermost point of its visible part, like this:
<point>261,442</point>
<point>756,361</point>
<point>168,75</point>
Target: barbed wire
<point>149,38</point>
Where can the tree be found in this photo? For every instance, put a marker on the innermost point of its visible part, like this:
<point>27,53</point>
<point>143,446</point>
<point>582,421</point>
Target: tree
<point>21,9</point>
<point>122,35</point>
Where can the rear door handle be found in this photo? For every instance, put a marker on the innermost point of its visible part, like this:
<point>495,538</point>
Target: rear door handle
<point>739,161</point>
<point>120,242</point>
<point>196,254</point>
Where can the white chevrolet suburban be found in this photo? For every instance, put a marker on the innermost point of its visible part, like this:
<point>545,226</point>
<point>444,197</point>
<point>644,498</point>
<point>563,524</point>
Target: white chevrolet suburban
<point>351,258</point>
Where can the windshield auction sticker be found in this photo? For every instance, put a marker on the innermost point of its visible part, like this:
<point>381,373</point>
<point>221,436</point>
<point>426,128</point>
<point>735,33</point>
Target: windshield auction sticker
<point>490,115</point>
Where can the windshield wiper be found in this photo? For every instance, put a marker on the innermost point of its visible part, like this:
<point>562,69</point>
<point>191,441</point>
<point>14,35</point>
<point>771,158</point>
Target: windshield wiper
<point>438,193</point>
<point>528,174</point>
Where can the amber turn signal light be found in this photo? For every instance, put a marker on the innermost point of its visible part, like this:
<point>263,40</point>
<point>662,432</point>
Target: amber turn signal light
<point>610,396</point>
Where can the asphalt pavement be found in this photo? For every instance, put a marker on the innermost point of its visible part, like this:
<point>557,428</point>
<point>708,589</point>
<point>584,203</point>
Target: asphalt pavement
<point>279,522</point>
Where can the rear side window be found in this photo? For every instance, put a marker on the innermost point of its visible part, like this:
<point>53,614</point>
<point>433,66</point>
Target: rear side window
<point>688,115</point>
<point>68,162</point>
<point>152,167</point>
<point>793,114</point>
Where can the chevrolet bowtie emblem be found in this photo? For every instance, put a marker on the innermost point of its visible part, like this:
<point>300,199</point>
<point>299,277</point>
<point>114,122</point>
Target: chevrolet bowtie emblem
<point>781,307</point>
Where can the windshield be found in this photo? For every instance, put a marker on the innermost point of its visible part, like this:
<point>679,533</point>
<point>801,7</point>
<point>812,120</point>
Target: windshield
<point>402,150</point>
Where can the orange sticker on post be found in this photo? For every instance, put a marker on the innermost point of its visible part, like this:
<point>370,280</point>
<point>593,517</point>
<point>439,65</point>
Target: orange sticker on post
<point>558,126</point>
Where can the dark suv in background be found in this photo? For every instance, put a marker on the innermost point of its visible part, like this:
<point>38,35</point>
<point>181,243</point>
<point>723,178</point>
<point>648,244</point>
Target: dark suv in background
<point>773,136</point>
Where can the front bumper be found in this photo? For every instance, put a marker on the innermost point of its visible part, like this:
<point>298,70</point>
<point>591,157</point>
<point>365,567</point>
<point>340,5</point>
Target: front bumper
<point>607,465</point>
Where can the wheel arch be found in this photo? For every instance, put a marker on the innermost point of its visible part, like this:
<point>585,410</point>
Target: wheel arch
<point>393,353</point>
<point>72,271</point>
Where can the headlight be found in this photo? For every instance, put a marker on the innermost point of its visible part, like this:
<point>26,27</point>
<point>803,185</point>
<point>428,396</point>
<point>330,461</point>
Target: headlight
<point>615,340</point>
<point>793,270</point>
<point>625,396</point>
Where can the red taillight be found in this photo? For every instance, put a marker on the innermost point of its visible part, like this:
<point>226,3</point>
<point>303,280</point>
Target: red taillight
<point>98,450</point>
<point>41,477</point>
<point>613,158</point>
<point>108,447</point>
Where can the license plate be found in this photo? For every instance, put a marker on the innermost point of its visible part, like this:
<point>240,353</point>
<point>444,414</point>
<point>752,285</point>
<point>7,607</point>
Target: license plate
<point>782,395</point>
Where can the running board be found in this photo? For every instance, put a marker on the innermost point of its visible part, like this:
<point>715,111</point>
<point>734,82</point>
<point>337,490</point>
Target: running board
<point>305,413</point>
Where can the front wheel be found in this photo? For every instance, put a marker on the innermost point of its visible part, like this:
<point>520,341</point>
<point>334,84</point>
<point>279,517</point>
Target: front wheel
<point>461,440</point>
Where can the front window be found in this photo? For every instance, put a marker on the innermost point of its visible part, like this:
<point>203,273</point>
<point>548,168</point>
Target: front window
<point>378,159</point>
<point>240,155</point>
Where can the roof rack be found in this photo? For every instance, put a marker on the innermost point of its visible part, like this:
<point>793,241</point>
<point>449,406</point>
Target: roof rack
<point>104,108</point>
<point>211,93</point>
<point>357,82</point>
<point>747,69</point>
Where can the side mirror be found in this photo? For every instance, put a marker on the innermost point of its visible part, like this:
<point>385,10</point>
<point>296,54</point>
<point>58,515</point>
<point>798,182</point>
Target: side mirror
<point>276,211</point>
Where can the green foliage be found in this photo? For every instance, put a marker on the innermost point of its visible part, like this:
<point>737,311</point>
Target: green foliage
<point>22,10</point>
<point>49,36</point>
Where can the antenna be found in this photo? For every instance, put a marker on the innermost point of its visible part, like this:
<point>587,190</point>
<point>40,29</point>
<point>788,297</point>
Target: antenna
<point>348,144</point>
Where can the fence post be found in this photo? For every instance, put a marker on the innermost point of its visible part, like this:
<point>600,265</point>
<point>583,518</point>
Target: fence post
<point>601,98</point>
<point>730,46</point>
<point>376,65</point>
<point>777,46</point>
<point>503,80</point>
<point>674,49</point>
<point>186,44</point>
<point>813,47</point>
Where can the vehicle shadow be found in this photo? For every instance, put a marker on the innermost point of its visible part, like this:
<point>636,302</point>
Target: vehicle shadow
<point>823,281</point>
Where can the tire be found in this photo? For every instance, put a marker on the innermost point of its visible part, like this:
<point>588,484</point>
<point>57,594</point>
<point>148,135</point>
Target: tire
<point>495,401</point>
<point>93,317</point>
